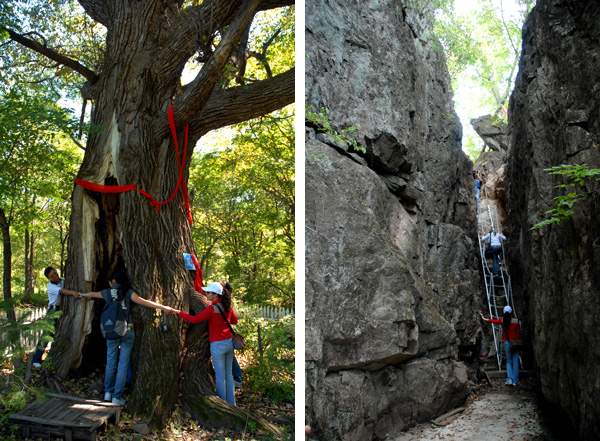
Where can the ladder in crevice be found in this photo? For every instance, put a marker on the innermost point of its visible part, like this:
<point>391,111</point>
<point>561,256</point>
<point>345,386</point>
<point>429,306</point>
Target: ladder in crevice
<point>498,289</point>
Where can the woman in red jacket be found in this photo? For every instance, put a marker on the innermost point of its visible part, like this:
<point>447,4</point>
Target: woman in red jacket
<point>514,332</point>
<point>219,335</point>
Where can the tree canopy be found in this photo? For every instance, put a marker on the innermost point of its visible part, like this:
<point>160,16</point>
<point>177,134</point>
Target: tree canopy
<point>482,46</point>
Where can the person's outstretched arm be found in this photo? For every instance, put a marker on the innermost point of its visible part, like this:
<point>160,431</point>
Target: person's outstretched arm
<point>204,315</point>
<point>490,320</point>
<point>53,290</point>
<point>70,292</point>
<point>149,303</point>
<point>92,295</point>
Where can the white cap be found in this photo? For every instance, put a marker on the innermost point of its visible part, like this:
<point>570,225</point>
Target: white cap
<point>214,287</point>
<point>507,309</point>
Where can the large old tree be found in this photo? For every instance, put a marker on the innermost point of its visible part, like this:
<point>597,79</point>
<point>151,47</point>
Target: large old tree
<point>147,45</point>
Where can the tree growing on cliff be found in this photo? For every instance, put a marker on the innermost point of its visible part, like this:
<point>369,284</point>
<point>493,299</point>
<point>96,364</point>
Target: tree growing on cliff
<point>132,65</point>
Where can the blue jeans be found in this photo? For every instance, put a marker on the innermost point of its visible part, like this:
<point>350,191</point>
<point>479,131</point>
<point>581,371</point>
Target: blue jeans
<point>236,371</point>
<point>39,351</point>
<point>512,365</point>
<point>116,376</point>
<point>222,358</point>
<point>494,252</point>
<point>477,191</point>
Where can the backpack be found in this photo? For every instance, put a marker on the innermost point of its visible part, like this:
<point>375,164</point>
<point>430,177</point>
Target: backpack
<point>113,322</point>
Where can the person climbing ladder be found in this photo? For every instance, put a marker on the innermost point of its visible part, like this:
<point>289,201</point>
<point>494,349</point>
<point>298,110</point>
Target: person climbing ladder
<point>511,333</point>
<point>495,248</point>
<point>477,178</point>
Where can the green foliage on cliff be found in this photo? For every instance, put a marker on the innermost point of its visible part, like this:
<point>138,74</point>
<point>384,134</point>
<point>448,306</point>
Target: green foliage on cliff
<point>578,175</point>
<point>321,120</point>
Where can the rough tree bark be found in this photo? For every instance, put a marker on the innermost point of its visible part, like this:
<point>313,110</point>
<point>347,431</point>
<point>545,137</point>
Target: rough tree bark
<point>7,262</point>
<point>29,276</point>
<point>147,46</point>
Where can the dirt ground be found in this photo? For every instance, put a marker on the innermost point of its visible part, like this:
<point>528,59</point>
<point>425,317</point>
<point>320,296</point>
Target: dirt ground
<point>497,413</point>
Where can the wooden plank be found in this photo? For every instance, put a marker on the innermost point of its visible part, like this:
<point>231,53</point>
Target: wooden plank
<point>50,408</point>
<point>31,407</point>
<point>57,432</point>
<point>439,421</point>
<point>96,414</point>
<point>62,414</point>
<point>46,422</point>
<point>65,416</point>
<point>82,400</point>
<point>72,413</point>
<point>104,414</point>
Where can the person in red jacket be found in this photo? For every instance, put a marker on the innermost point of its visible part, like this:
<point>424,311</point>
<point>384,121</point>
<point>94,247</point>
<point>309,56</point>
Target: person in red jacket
<point>219,335</point>
<point>514,332</point>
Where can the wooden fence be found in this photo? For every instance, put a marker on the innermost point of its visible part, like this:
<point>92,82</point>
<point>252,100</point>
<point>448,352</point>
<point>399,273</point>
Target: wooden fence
<point>30,340</point>
<point>267,312</point>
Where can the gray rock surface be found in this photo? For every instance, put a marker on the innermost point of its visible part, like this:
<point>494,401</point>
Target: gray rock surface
<point>554,119</point>
<point>392,283</point>
<point>492,166</point>
<point>492,131</point>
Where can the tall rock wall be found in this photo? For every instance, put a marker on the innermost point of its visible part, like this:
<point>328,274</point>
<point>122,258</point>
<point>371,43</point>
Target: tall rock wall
<point>554,118</point>
<point>492,166</point>
<point>392,284</point>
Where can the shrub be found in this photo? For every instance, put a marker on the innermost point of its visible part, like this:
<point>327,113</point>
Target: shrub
<point>272,372</point>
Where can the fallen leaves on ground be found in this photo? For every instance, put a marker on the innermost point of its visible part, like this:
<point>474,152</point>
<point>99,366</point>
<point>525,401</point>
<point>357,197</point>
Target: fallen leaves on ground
<point>180,426</point>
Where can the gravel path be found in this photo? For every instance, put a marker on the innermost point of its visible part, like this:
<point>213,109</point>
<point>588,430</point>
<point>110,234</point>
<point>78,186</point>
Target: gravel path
<point>500,413</point>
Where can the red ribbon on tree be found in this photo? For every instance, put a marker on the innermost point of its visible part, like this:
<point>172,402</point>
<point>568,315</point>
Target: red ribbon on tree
<point>198,280</point>
<point>153,202</point>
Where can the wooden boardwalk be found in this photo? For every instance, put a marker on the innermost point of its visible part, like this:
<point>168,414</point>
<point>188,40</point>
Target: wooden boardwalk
<point>71,418</point>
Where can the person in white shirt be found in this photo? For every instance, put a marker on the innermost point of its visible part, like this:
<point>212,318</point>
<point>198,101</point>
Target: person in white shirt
<point>55,289</point>
<point>495,248</point>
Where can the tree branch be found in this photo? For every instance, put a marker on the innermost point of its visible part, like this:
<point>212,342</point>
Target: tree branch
<point>204,21</point>
<point>517,54</point>
<point>265,5</point>
<point>238,104</point>
<point>97,9</point>
<point>53,55</point>
<point>198,92</point>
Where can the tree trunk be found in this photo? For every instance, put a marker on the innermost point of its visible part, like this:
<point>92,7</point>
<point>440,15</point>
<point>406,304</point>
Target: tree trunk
<point>26,297</point>
<point>29,279</point>
<point>140,80</point>
<point>64,236</point>
<point>7,254</point>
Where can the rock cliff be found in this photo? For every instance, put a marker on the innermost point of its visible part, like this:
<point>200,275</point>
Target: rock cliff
<point>392,283</point>
<point>492,166</point>
<point>554,119</point>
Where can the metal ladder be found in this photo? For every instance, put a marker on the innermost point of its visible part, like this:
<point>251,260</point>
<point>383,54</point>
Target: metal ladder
<point>498,289</point>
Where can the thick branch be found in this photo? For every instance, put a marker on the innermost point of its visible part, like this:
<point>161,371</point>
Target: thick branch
<point>97,9</point>
<point>198,92</point>
<point>205,20</point>
<point>517,54</point>
<point>272,4</point>
<point>238,104</point>
<point>53,55</point>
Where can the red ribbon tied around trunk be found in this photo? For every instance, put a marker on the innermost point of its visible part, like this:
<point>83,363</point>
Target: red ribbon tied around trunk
<point>198,280</point>
<point>153,202</point>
